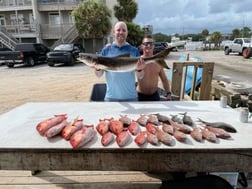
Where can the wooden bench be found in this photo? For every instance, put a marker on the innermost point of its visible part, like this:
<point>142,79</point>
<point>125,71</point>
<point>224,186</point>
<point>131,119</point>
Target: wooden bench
<point>179,73</point>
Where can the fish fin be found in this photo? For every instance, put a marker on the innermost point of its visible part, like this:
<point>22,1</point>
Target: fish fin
<point>162,63</point>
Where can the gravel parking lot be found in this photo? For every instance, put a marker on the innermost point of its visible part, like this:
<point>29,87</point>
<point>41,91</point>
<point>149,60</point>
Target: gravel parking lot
<point>42,83</point>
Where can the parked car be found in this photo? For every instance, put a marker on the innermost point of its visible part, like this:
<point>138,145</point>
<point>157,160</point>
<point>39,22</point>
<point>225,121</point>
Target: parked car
<point>66,54</point>
<point>158,47</point>
<point>24,53</point>
<point>238,45</point>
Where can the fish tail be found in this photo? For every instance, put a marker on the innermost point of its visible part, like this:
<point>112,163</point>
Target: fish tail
<point>163,53</point>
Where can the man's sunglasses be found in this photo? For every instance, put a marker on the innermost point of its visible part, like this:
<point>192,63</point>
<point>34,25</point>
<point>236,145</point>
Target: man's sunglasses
<point>147,43</point>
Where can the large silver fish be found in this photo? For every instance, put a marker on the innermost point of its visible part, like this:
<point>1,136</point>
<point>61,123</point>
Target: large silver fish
<point>122,62</point>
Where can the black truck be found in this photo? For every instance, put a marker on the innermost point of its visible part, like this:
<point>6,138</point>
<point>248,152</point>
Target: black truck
<point>25,53</point>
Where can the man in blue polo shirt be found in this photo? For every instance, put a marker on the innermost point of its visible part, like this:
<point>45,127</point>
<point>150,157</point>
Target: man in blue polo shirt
<point>121,85</point>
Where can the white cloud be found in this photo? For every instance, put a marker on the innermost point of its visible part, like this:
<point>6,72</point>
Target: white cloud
<point>192,16</point>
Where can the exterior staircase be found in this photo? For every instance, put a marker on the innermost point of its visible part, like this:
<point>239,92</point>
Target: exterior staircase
<point>7,39</point>
<point>68,37</point>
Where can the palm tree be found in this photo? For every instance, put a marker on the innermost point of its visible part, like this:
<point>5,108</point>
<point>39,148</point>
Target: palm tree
<point>216,37</point>
<point>126,10</point>
<point>235,33</point>
<point>205,33</point>
<point>92,20</point>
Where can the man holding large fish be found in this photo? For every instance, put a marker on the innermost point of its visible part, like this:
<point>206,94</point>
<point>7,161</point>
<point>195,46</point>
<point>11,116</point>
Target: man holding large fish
<point>121,62</point>
<point>147,87</point>
<point>121,85</point>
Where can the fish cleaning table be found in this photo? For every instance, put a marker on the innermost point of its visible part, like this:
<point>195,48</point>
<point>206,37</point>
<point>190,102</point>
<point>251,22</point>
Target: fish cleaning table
<point>22,148</point>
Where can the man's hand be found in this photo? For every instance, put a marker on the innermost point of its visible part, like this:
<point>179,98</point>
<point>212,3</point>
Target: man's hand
<point>140,64</point>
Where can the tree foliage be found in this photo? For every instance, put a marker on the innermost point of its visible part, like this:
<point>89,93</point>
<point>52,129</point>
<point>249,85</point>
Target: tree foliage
<point>205,33</point>
<point>135,35</point>
<point>159,37</point>
<point>245,32</point>
<point>92,19</point>
<point>216,37</point>
<point>126,10</point>
<point>235,33</point>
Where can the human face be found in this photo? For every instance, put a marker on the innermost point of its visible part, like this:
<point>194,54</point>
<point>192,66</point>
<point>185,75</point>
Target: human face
<point>147,46</point>
<point>120,32</point>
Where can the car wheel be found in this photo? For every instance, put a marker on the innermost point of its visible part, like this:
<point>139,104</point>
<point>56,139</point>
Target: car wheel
<point>71,61</point>
<point>10,65</point>
<point>226,51</point>
<point>247,52</point>
<point>30,61</point>
<point>50,64</point>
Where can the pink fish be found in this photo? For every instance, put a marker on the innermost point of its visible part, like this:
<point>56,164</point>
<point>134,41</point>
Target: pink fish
<point>150,127</point>
<point>70,129</point>
<point>142,120</point>
<point>134,128</point>
<point>123,138</point>
<point>167,128</point>
<point>103,126</point>
<point>116,126</point>
<point>82,137</point>
<point>153,119</point>
<point>141,138</point>
<point>208,135</point>
<point>164,137</point>
<point>55,130</point>
<point>219,132</point>
<point>107,138</point>
<point>43,126</point>
<point>180,136</point>
<point>125,120</point>
<point>196,134</point>
<point>151,138</point>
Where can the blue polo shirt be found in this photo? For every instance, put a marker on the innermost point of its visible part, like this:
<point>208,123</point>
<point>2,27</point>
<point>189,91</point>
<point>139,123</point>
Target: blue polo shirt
<point>120,85</point>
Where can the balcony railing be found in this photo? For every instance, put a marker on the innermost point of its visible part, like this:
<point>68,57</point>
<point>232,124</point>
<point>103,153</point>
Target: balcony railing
<point>20,28</point>
<point>14,5</point>
<point>54,31</point>
<point>54,5</point>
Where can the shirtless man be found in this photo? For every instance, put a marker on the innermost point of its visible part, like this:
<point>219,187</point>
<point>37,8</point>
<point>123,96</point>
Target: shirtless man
<point>147,87</point>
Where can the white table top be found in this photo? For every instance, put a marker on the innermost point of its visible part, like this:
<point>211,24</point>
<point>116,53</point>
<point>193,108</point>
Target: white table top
<point>18,126</point>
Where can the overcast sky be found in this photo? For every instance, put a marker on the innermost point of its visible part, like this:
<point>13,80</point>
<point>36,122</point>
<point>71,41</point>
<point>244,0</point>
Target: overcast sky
<point>193,16</point>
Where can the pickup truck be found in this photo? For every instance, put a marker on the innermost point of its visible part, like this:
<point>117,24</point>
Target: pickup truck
<point>238,45</point>
<point>25,53</point>
<point>66,54</point>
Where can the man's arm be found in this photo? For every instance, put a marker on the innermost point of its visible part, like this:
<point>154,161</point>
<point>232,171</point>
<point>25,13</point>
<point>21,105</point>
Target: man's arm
<point>165,83</point>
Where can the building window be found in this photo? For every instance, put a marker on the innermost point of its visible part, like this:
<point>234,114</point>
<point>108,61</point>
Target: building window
<point>20,2</point>
<point>2,20</point>
<point>17,19</point>
<point>54,18</point>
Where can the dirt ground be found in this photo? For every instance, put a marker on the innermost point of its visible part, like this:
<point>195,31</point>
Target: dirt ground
<point>42,83</point>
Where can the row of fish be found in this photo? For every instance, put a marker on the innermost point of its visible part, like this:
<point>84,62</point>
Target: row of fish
<point>153,129</point>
